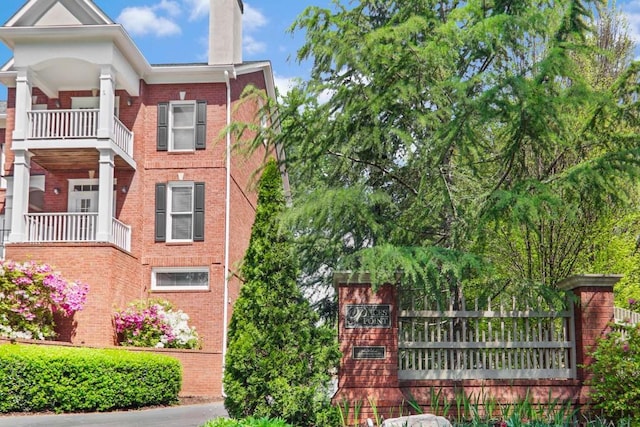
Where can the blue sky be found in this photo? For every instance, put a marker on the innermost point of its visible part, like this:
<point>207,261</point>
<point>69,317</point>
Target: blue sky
<point>175,31</point>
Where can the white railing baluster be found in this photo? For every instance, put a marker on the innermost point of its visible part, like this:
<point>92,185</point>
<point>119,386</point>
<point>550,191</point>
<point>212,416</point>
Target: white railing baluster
<point>73,227</point>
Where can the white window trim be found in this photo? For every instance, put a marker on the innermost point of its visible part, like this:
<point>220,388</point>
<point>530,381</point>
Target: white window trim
<point>155,287</point>
<point>172,128</point>
<point>170,212</point>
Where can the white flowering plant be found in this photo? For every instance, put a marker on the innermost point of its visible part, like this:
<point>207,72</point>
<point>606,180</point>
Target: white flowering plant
<point>155,323</point>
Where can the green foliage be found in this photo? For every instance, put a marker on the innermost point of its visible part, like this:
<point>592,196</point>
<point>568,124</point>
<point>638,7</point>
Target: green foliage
<point>465,142</point>
<point>279,357</point>
<point>615,382</point>
<point>247,422</point>
<point>64,379</point>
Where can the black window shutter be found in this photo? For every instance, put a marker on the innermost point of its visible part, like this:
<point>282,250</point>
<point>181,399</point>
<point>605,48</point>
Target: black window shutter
<point>163,126</point>
<point>198,212</point>
<point>201,125</point>
<point>161,212</point>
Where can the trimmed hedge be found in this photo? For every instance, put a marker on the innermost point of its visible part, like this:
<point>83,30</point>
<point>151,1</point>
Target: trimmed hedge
<point>247,422</point>
<point>66,379</point>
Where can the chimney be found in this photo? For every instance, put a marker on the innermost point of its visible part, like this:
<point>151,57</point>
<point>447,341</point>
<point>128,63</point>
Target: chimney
<point>225,32</point>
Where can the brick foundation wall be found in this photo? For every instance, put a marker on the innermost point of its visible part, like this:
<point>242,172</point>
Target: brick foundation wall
<point>200,371</point>
<point>113,277</point>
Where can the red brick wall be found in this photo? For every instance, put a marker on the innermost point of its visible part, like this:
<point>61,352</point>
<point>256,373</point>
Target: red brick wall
<point>112,275</point>
<point>360,380</point>
<point>593,315</point>
<point>201,371</point>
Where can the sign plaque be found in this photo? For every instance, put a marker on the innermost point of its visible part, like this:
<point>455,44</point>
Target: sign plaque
<point>370,353</point>
<point>367,316</point>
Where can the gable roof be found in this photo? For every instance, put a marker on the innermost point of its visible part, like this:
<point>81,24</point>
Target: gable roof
<point>58,13</point>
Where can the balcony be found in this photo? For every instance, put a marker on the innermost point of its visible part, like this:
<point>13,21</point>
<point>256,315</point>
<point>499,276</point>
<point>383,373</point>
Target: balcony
<point>73,227</point>
<point>64,138</point>
<point>63,125</point>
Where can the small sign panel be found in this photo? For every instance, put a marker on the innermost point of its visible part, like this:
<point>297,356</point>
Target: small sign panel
<point>369,353</point>
<point>367,316</point>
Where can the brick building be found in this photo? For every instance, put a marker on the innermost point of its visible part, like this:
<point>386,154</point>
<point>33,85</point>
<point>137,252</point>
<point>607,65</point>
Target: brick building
<point>117,171</point>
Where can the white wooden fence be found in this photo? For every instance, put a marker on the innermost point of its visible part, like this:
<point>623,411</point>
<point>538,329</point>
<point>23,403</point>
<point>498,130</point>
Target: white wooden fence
<point>491,343</point>
<point>623,315</point>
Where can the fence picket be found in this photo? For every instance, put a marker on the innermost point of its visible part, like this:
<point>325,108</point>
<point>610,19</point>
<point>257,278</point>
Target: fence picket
<point>506,343</point>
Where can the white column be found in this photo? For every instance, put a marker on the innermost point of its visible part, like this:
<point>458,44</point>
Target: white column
<point>105,196</point>
<point>23,104</point>
<point>20,202</point>
<point>107,101</point>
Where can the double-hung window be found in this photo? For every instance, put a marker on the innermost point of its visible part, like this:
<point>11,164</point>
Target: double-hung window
<point>180,215</point>
<point>182,117</point>
<point>179,211</point>
<point>182,126</point>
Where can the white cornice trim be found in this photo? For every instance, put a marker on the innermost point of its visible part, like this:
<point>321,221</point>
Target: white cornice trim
<point>113,32</point>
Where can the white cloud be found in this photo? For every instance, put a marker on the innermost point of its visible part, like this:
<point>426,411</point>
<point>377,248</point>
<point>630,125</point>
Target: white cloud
<point>252,19</point>
<point>284,84</point>
<point>199,8</point>
<point>253,46</point>
<point>631,12</point>
<point>325,96</point>
<point>144,20</point>
<point>169,6</point>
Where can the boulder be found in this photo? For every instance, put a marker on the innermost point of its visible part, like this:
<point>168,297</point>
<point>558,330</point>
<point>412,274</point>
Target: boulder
<point>423,420</point>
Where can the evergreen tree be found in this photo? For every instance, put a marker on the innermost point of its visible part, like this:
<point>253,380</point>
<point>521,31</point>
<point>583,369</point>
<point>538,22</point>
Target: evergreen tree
<point>451,127</point>
<point>279,357</point>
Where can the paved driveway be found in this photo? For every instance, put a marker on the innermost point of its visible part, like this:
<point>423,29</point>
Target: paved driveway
<point>177,416</point>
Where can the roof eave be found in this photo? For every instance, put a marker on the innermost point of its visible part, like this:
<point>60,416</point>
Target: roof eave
<point>114,32</point>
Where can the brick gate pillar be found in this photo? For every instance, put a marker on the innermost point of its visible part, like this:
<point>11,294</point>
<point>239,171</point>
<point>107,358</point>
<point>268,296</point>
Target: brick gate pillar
<point>368,336</point>
<point>593,313</point>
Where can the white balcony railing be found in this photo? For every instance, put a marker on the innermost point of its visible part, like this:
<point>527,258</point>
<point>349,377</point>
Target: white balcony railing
<point>73,227</point>
<point>122,136</point>
<point>63,124</point>
<point>121,235</point>
<point>75,124</point>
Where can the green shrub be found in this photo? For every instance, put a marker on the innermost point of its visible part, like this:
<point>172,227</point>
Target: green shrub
<point>247,422</point>
<point>615,385</point>
<point>64,379</point>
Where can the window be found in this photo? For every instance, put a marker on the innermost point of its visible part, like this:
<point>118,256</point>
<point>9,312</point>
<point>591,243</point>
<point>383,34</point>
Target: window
<point>180,217</point>
<point>182,118</point>
<point>179,211</point>
<point>182,125</point>
<point>180,278</point>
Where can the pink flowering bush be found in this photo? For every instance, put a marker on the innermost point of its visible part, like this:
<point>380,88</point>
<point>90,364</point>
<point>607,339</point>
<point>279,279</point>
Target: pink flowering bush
<point>155,323</point>
<point>30,294</point>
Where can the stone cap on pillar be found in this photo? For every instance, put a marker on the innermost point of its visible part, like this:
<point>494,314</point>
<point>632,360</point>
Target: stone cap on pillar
<point>350,278</point>
<point>356,278</point>
<point>589,280</point>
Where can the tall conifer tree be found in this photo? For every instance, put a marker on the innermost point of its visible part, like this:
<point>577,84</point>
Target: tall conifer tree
<point>278,358</point>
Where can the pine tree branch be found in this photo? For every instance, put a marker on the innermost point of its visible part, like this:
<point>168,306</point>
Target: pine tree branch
<point>378,167</point>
